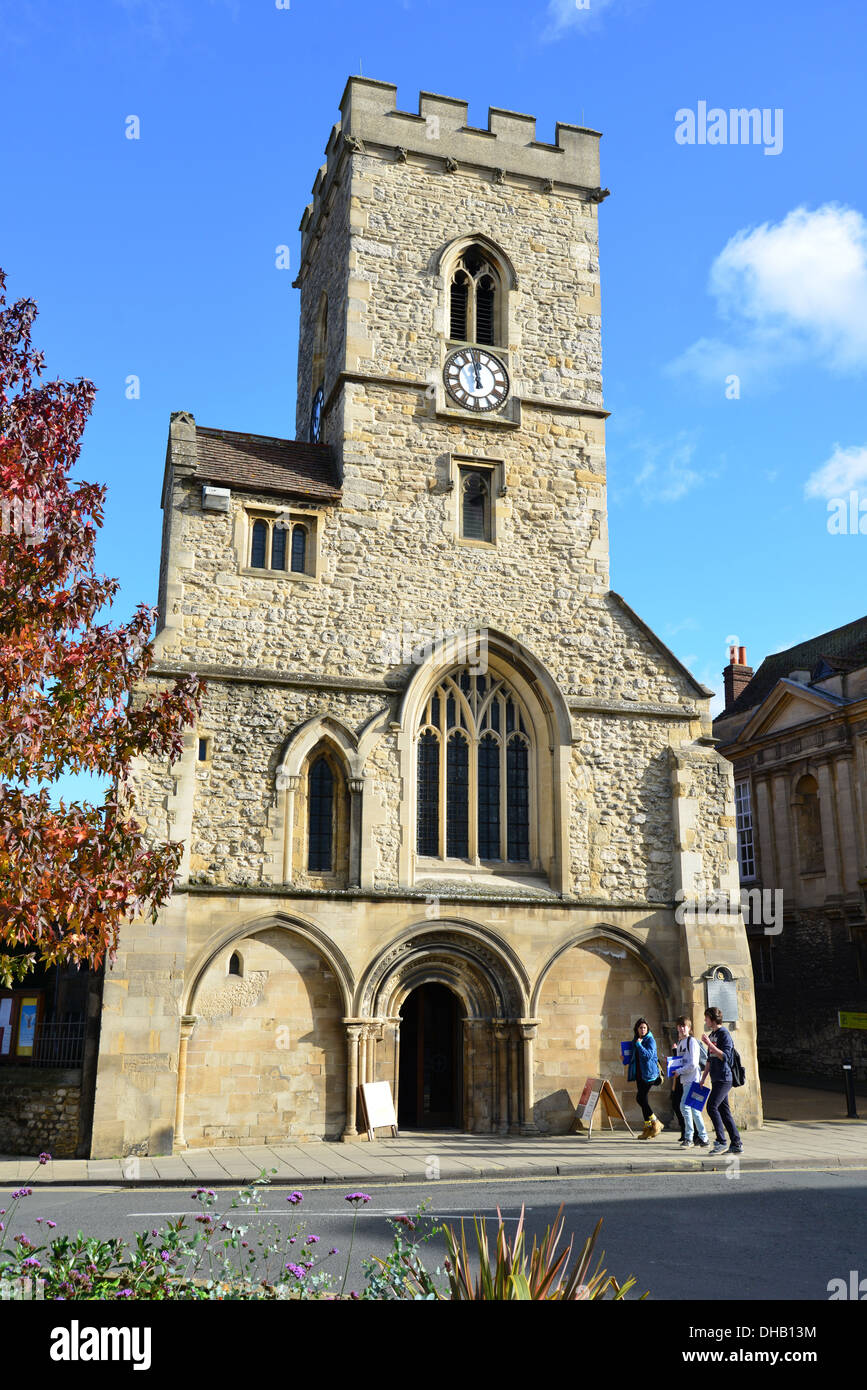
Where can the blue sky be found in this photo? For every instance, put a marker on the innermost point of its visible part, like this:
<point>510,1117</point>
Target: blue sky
<point>155,257</point>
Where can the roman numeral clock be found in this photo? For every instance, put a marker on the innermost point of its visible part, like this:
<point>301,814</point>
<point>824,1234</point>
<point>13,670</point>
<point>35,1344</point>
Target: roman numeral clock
<point>476,379</point>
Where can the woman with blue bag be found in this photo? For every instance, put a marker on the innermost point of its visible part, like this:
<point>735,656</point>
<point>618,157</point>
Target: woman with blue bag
<point>644,1071</point>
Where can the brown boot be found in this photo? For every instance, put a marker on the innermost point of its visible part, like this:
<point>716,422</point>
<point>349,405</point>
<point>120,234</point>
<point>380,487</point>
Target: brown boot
<point>646,1132</point>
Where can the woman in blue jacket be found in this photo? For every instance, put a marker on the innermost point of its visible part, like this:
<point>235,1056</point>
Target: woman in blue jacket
<point>720,1052</point>
<point>644,1071</point>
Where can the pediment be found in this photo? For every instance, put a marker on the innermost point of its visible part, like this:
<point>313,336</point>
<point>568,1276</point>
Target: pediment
<point>787,705</point>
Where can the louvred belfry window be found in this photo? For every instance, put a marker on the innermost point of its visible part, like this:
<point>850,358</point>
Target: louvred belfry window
<point>475,744</point>
<point>474,300</point>
<point>475,505</point>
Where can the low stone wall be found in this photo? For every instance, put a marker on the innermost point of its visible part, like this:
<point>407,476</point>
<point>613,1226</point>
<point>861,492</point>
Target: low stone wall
<point>39,1111</point>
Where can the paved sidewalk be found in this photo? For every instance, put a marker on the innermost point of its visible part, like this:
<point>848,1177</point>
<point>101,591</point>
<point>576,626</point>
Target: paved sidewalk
<point>833,1144</point>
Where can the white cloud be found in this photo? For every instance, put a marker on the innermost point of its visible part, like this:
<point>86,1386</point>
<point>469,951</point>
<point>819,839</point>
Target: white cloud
<point>845,470</point>
<point>667,474</point>
<point>794,290</point>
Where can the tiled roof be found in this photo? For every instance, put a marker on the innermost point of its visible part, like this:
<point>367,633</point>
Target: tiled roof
<point>258,463</point>
<point>844,648</point>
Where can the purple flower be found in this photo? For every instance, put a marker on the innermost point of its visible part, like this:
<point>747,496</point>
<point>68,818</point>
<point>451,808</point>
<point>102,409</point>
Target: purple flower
<point>31,1263</point>
<point>23,1192</point>
<point>352,1293</point>
<point>405,1221</point>
<point>292,1240</point>
<point>164,1255</point>
<point>357,1197</point>
<point>124,1293</point>
<point>312,1240</point>
<point>51,1224</point>
<point>296,1270</point>
<point>295,1198</point>
<point>23,1242</point>
<point>45,1158</point>
<point>334,1251</point>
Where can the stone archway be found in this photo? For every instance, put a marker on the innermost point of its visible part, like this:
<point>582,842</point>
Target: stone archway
<point>490,985</point>
<point>262,1055</point>
<point>587,998</point>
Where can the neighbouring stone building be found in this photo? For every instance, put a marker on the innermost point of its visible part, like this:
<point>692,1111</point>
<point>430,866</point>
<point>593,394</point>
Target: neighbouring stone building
<point>447,789</point>
<point>796,732</point>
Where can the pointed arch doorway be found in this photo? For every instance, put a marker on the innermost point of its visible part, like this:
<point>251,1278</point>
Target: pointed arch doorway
<point>431,1056</point>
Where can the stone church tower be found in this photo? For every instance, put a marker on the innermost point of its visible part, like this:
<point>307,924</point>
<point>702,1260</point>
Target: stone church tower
<point>448,789</point>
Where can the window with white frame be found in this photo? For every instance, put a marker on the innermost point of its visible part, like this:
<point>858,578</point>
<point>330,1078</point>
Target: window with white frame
<point>744,830</point>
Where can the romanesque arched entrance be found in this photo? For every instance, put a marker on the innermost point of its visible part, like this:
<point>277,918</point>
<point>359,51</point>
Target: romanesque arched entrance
<point>431,1059</point>
<point>441,1015</point>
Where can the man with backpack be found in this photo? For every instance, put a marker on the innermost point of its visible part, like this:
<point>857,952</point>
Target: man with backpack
<point>725,1070</point>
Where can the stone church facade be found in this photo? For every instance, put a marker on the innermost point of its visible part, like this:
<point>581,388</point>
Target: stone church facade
<point>447,789</point>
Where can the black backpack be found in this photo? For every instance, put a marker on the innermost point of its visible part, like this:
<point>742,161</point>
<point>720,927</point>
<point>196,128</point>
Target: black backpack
<point>739,1075</point>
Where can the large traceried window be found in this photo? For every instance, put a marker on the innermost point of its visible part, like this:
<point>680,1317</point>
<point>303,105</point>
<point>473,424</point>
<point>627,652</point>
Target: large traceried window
<point>474,745</point>
<point>475,300</point>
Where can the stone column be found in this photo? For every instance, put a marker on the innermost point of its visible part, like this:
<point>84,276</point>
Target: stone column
<point>763,838</point>
<point>290,785</point>
<point>847,813</point>
<point>830,838</point>
<point>501,1037</point>
<point>188,1023</point>
<point>356,787</point>
<point>528,1028</point>
<point>514,1046</point>
<point>395,1027</point>
<point>353,1034</point>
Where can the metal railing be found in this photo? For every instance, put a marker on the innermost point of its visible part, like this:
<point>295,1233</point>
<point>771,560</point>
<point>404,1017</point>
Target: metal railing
<point>54,1045</point>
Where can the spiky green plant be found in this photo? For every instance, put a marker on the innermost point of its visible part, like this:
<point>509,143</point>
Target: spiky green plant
<point>511,1274</point>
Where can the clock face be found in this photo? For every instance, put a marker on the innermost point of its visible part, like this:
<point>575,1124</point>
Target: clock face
<point>316,417</point>
<point>476,379</point>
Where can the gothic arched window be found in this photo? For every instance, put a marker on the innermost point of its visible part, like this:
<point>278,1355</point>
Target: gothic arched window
<point>320,818</point>
<point>809,822</point>
<point>475,299</point>
<point>474,750</point>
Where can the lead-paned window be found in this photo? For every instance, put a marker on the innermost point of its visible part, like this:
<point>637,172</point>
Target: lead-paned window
<point>320,819</point>
<point>475,741</point>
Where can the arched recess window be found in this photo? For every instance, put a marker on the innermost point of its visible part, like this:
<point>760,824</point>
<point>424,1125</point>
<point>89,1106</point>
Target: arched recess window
<point>475,300</point>
<point>320,817</point>
<point>474,750</point>
<point>809,825</point>
<point>320,834</point>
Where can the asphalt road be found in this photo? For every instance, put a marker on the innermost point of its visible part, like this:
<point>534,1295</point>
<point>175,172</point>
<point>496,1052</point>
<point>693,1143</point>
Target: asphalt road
<point>769,1235</point>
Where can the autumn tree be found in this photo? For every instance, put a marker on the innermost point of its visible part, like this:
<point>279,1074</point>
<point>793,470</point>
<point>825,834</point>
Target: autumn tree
<point>71,696</point>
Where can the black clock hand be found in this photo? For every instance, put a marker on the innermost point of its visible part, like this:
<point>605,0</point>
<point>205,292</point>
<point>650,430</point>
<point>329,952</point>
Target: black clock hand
<point>477,368</point>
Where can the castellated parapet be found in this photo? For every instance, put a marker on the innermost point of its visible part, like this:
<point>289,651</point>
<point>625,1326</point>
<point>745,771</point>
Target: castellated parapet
<point>438,135</point>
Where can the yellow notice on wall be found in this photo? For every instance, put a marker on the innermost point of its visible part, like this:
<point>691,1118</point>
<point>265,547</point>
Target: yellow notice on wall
<point>852,1020</point>
<point>27,1011</point>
